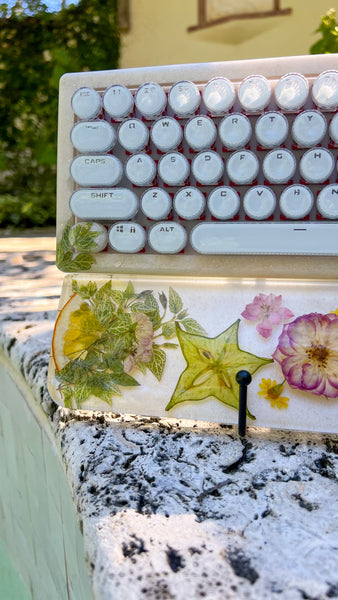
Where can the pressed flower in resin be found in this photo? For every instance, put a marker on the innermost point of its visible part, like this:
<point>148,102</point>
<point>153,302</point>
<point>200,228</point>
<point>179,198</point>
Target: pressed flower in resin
<point>271,391</point>
<point>144,332</point>
<point>307,352</point>
<point>268,310</point>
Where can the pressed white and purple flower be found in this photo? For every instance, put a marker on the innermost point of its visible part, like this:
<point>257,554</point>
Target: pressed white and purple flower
<point>144,332</point>
<point>307,352</point>
<point>268,310</point>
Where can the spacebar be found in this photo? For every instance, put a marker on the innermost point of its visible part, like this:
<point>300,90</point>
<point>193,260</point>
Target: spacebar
<point>265,238</point>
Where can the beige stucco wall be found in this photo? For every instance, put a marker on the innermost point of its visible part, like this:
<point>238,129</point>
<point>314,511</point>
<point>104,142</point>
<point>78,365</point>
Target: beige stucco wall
<point>158,33</point>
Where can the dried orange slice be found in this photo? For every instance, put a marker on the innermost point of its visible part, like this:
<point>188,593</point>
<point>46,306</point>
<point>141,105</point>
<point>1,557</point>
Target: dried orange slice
<point>60,328</point>
<point>75,332</point>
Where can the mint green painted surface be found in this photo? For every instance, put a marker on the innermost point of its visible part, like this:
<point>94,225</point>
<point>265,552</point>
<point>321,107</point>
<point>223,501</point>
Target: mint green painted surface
<point>11,584</point>
<point>38,525</point>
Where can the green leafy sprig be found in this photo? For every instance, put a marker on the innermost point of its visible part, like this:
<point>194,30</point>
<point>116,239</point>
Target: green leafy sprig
<point>69,261</point>
<point>112,329</point>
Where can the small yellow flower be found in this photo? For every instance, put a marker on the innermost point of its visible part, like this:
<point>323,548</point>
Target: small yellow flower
<point>271,391</point>
<point>335,312</point>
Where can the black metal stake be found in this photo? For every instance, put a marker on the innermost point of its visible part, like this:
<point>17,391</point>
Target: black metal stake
<point>243,379</point>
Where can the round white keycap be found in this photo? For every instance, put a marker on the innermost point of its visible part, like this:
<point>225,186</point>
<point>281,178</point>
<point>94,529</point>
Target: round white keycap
<point>333,129</point>
<point>86,103</point>
<point>140,169</point>
<point>94,170</point>
<point>254,93</point>
<point>242,167</point>
<point>173,168</point>
<point>235,131</point>
<point>189,203</point>
<point>127,237</point>
<point>133,135</point>
<point>271,129</point>
<point>118,101</point>
<point>291,91</point>
<point>200,132</point>
<point>327,202</point>
<point>309,128</point>
<point>219,95</point>
<point>223,203</point>
<point>167,237</point>
<point>316,165</point>
<point>184,98</point>
<point>110,204</point>
<point>325,90</point>
<point>93,136</point>
<point>279,165</point>
<point>150,100</point>
<point>296,202</point>
<point>99,241</point>
<point>207,167</point>
<point>259,202</point>
<point>156,204</point>
<point>166,134</point>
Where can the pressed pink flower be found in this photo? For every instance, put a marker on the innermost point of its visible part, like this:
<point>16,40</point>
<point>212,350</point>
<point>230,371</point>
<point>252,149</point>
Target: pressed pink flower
<point>307,352</point>
<point>268,310</point>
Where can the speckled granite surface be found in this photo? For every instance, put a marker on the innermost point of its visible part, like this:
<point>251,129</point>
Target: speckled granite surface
<point>177,510</point>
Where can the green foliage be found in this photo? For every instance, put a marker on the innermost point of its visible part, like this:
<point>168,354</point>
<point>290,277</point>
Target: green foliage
<point>66,259</point>
<point>115,335</point>
<point>328,28</point>
<point>36,49</point>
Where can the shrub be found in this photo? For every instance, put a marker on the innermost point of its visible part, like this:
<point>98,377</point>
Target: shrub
<point>328,28</point>
<point>36,48</point>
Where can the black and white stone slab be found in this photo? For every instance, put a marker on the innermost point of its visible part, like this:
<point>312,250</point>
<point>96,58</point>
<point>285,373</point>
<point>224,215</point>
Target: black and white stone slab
<point>177,510</point>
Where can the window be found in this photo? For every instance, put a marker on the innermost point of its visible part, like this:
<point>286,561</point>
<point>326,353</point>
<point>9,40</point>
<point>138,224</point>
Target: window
<point>214,12</point>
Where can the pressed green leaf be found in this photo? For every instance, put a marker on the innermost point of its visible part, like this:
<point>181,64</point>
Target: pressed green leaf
<point>182,315</point>
<point>157,362</point>
<point>121,324</point>
<point>117,296</point>
<point>168,330</point>
<point>85,290</point>
<point>124,379</point>
<point>104,310</point>
<point>137,307</point>
<point>175,302</point>
<point>72,372</point>
<point>81,393</point>
<point>151,302</point>
<point>104,290</point>
<point>192,326</point>
<point>142,367</point>
<point>118,345</point>
<point>82,262</point>
<point>83,238</point>
<point>129,291</point>
<point>68,394</point>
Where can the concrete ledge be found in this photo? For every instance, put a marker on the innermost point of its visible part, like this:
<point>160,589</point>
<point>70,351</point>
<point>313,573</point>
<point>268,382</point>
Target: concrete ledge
<point>174,510</point>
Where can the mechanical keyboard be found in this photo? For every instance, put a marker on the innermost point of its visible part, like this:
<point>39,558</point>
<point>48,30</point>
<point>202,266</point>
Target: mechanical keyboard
<point>184,169</point>
<point>197,219</point>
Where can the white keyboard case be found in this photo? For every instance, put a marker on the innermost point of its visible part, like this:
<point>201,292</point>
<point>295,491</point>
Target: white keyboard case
<point>136,332</point>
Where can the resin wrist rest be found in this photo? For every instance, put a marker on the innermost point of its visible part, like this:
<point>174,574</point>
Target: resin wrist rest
<point>171,347</point>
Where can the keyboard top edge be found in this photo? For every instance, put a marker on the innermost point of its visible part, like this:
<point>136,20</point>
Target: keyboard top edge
<point>234,69</point>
